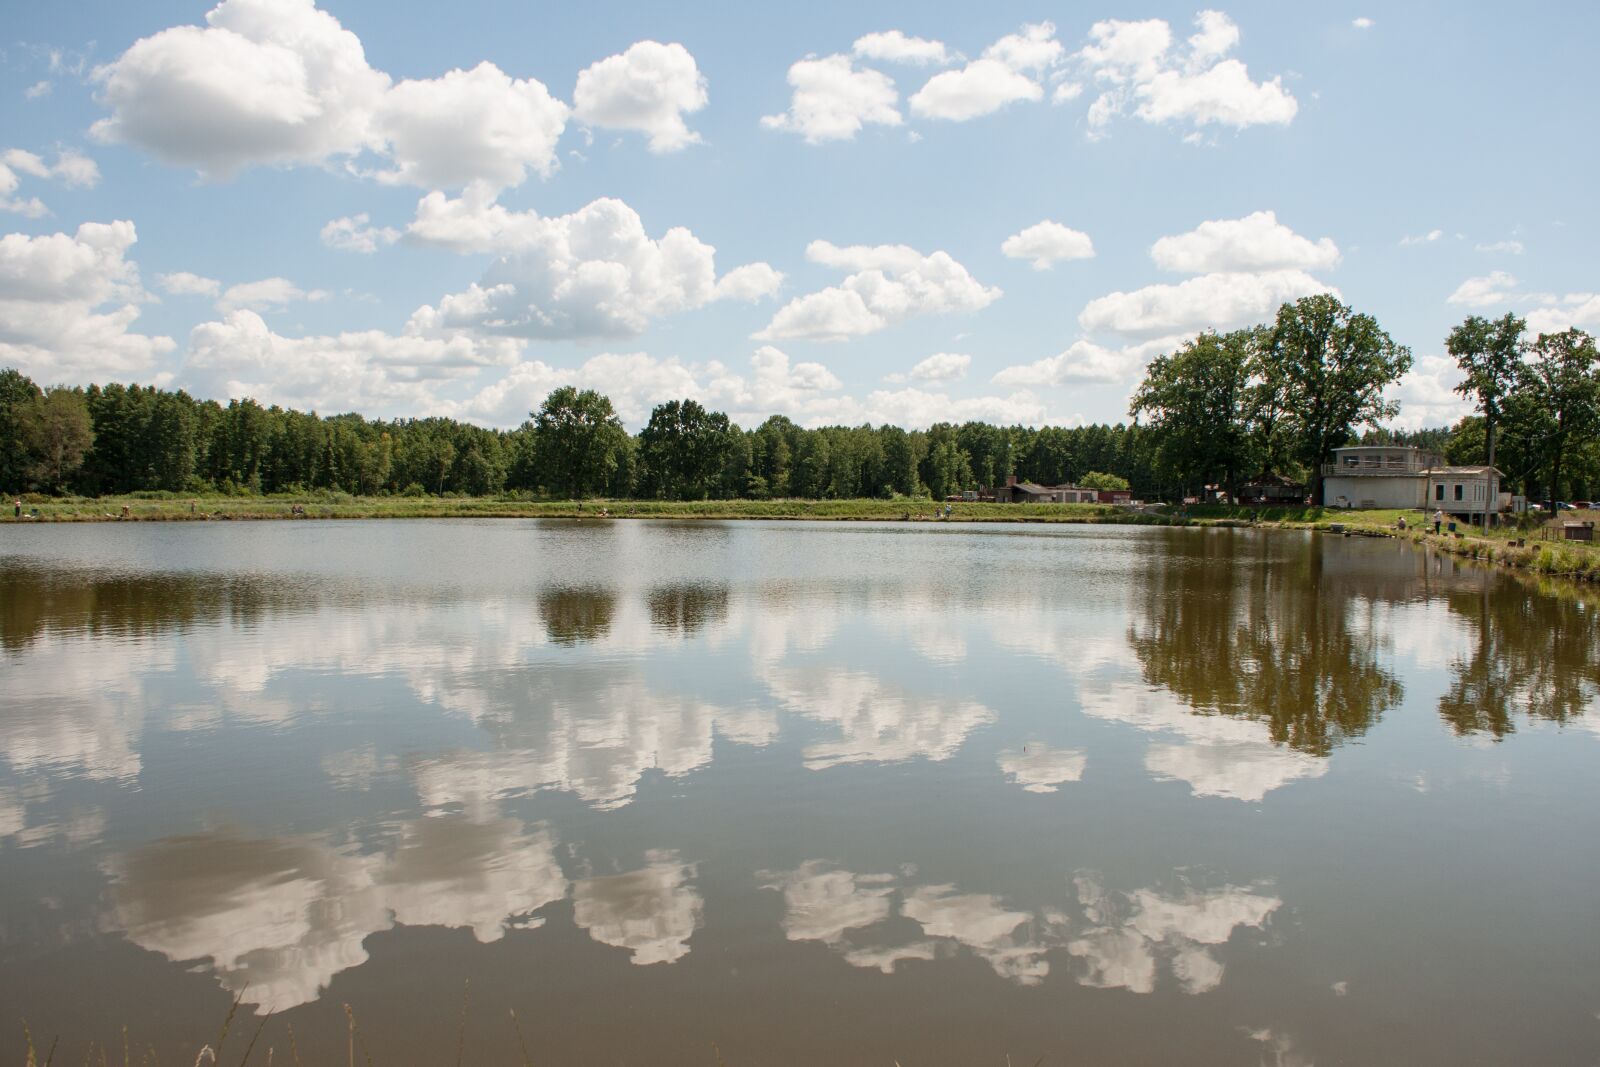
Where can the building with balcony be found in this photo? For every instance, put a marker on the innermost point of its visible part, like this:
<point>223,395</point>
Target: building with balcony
<point>1378,476</point>
<point>1404,476</point>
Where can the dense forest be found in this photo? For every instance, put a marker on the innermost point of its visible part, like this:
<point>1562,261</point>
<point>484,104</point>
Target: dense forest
<point>1221,410</point>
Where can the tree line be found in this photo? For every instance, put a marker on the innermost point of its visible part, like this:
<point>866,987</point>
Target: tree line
<point>1223,409</point>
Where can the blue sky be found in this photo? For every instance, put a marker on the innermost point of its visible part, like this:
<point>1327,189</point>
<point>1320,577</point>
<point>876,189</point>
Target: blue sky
<point>409,209</point>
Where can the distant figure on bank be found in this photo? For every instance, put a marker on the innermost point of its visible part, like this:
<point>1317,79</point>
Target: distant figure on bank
<point>1438,519</point>
<point>1400,523</point>
<point>191,507</point>
<point>124,514</point>
<point>18,505</point>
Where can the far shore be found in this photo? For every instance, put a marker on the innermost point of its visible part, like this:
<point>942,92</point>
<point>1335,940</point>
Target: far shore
<point>1574,560</point>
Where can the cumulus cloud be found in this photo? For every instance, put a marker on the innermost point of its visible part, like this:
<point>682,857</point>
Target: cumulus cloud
<point>1006,72</point>
<point>183,283</point>
<point>1426,394</point>
<point>279,82</point>
<point>268,294</point>
<point>893,46</point>
<point>355,233</point>
<point>1496,287</point>
<point>68,302</point>
<point>1081,363</point>
<point>1047,243</point>
<point>887,284</point>
<point>1511,247</point>
<point>939,367</point>
<point>649,88</point>
<point>1257,242</point>
<point>71,168</point>
<point>37,90</point>
<point>593,273</point>
<point>368,369</point>
<point>1421,238</point>
<point>1221,301</point>
<point>1362,23</point>
<point>469,125</point>
<point>1140,72</point>
<point>264,82</point>
<point>1573,311</point>
<point>833,100</point>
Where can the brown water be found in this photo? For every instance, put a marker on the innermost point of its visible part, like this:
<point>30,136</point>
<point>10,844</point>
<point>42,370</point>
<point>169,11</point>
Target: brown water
<point>795,793</point>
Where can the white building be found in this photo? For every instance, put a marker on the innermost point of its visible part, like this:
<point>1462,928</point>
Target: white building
<point>1378,476</point>
<point>1403,476</point>
<point>1465,491</point>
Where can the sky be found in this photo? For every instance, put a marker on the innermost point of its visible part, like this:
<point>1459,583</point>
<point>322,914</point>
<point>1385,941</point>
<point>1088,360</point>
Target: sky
<point>840,212</point>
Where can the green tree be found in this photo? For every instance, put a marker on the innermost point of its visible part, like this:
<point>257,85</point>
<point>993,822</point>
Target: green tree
<point>56,432</point>
<point>1197,401</point>
<point>1101,480</point>
<point>1558,401</point>
<point>1490,357</point>
<point>578,441</point>
<point>17,396</point>
<point>684,448</point>
<point>1332,365</point>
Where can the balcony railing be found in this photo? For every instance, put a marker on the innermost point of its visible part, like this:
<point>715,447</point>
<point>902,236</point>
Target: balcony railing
<point>1373,470</point>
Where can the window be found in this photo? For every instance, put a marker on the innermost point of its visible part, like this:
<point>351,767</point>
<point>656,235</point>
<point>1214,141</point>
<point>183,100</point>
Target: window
<point>1438,491</point>
<point>1477,491</point>
<point>1458,490</point>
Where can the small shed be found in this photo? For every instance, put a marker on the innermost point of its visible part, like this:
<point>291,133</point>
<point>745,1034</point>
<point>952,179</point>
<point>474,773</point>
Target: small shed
<point>1577,531</point>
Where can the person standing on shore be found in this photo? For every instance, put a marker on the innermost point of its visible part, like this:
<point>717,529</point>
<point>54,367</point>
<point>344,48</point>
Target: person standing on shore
<point>1438,519</point>
<point>17,504</point>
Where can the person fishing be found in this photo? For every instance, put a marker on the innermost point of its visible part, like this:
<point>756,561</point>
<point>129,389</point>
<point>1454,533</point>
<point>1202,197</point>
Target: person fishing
<point>1438,519</point>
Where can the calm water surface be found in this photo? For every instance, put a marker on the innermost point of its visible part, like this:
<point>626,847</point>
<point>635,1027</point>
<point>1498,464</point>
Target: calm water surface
<point>828,793</point>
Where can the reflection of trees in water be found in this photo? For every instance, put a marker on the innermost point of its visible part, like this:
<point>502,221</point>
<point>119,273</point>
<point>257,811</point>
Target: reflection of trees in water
<point>1533,653</point>
<point>577,614</point>
<point>1230,632</point>
<point>683,609</point>
<point>35,600</point>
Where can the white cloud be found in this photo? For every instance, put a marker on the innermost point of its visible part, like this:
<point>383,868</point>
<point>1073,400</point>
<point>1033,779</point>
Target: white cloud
<point>892,46</point>
<point>888,284</point>
<point>1511,247</point>
<point>354,233</point>
<point>73,169</point>
<point>278,82</point>
<point>37,90</point>
<point>265,82</point>
<point>833,100</point>
<point>1362,23</point>
<point>183,283</point>
<point>1496,287</point>
<point>470,125</point>
<point>1046,243</point>
<point>1138,71</point>
<point>1573,311</point>
<point>366,370</point>
<point>593,273</point>
<point>268,294</point>
<point>1421,238</point>
<point>649,88</point>
<point>751,282</point>
<point>1081,363</point>
<point>1220,301</point>
<point>1257,242</point>
<point>939,367</point>
<point>1427,396</point>
<point>1004,74</point>
<point>67,303</point>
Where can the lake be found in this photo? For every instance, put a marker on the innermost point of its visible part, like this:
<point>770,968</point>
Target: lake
<point>779,793</point>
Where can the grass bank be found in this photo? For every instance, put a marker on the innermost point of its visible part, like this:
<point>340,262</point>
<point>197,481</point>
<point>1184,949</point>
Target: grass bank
<point>339,506</point>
